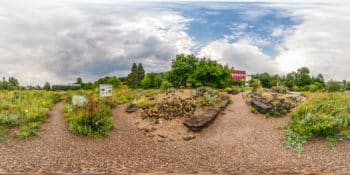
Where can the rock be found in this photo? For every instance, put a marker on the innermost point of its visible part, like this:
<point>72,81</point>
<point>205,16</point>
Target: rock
<point>261,106</point>
<point>131,109</point>
<point>189,137</point>
<point>162,135</point>
<point>223,104</point>
<point>150,129</point>
<point>161,140</point>
<point>196,124</point>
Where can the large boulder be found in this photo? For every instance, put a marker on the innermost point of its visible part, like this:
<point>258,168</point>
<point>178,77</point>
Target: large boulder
<point>262,107</point>
<point>196,124</point>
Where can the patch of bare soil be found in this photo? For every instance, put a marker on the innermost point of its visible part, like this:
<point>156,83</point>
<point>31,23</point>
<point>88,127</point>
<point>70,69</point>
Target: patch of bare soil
<point>237,142</point>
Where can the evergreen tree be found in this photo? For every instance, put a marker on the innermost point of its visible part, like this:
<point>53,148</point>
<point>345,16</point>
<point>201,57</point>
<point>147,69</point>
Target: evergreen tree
<point>140,74</point>
<point>132,78</point>
<point>79,81</point>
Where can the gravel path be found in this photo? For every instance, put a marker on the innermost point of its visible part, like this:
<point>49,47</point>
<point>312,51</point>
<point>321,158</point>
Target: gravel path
<point>237,142</point>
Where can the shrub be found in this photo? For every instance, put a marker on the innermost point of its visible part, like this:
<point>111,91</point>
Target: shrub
<point>256,85</point>
<point>96,125</point>
<point>315,87</point>
<point>93,119</point>
<point>333,86</point>
<point>324,115</point>
<point>165,85</point>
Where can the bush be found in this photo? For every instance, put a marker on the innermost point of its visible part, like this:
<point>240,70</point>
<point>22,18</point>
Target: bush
<point>165,85</point>
<point>96,125</point>
<point>324,115</point>
<point>315,87</point>
<point>256,85</point>
<point>333,86</point>
<point>93,119</point>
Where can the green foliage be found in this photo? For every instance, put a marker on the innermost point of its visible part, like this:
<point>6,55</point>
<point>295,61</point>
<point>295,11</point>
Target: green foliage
<point>165,85</point>
<point>254,110</point>
<point>114,81</point>
<point>198,72</point>
<point>347,87</point>
<point>316,87</point>
<point>93,119</point>
<point>146,82</point>
<point>11,84</point>
<point>25,110</point>
<point>324,115</point>
<point>296,81</point>
<point>256,85</point>
<point>135,76</point>
<point>333,86</point>
<point>47,86</point>
<point>181,69</point>
<point>152,80</point>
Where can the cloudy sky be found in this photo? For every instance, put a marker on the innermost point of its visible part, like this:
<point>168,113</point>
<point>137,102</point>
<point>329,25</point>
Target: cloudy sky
<point>59,40</point>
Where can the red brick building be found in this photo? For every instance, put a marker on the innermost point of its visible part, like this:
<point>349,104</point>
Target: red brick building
<point>239,75</point>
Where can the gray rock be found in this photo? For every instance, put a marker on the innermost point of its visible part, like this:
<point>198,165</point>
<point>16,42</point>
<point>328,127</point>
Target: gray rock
<point>261,106</point>
<point>196,124</point>
<point>223,104</point>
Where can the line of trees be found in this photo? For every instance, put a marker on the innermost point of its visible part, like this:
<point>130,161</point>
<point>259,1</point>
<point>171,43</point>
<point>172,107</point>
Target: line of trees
<point>189,70</point>
<point>300,80</point>
<point>10,84</point>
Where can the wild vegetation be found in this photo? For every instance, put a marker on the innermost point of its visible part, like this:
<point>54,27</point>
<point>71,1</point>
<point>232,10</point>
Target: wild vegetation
<point>87,115</point>
<point>323,115</point>
<point>25,111</point>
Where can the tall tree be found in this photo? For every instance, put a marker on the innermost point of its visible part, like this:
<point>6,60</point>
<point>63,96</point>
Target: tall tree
<point>132,79</point>
<point>140,74</point>
<point>79,81</point>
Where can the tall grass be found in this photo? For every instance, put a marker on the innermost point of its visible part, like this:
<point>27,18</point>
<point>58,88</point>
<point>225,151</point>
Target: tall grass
<point>25,110</point>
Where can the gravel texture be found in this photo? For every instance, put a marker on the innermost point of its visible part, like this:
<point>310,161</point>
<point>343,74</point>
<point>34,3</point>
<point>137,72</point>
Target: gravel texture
<point>237,142</point>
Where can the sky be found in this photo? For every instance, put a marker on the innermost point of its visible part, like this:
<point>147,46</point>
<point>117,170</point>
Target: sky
<point>60,40</point>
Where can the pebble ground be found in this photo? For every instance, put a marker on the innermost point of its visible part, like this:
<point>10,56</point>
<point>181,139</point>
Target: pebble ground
<point>237,142</point>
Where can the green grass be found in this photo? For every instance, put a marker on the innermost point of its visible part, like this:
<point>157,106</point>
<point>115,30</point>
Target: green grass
<point>323,115</point>
<point>25,110</point>
<point>93,120</point>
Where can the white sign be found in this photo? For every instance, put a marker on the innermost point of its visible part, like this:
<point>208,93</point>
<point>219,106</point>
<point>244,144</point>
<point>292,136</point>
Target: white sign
<point>106,90</point>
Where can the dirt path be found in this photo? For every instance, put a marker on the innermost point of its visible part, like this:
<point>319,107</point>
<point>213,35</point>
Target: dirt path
<point>237,142</point>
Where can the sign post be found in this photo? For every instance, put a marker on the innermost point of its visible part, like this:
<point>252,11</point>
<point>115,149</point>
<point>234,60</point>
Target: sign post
<point>106,90</point>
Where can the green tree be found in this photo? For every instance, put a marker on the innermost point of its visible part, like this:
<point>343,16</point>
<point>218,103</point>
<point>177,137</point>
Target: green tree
<point>114,81</point>
<point>165,85</point>
<point>210,73</point>
<point>146,82</point>
<point>47,86</point>
<point>333,86</point>
<point>132,76</point>
<point>302,77</point>
<point>181,68</point>
<point>140,74</point>
<point>79,81</point>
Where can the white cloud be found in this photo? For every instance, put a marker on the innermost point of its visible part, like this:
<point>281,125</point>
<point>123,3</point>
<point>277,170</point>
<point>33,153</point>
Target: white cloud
<point>57,42</point>
<point>320,42</point>
<point>241,55</point>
